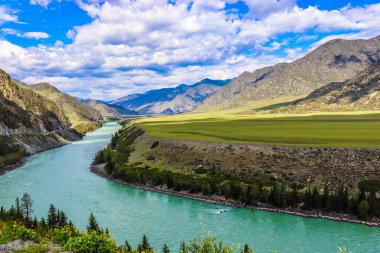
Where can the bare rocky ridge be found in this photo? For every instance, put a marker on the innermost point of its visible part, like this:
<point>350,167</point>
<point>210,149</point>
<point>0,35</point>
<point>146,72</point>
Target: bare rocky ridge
<point>76,111</point>
<point>359,93</point>
<point>307,165</point>
<point>334,61</point>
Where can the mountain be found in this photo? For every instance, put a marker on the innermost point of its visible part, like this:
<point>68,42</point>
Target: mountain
<point>29,122</point>
<point>26,111</point>
<point>334,61</point>
<point>76,111</point>
<point>108,110</point>
<point>171,100</point>
<point>360,93</point>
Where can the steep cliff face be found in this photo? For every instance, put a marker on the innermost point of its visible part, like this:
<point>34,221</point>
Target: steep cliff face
<point>24,111</point>
<point>29,123</point>
<point>334,61</point>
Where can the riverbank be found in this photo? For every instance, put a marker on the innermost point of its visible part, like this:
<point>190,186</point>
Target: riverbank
<point>218,200</point>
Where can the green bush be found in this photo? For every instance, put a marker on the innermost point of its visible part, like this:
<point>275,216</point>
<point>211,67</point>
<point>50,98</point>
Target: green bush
<point>155,144</point>
<point>370,185</point>
<point>25,234</point>
<point>92,242</point>
<point>62,235</point>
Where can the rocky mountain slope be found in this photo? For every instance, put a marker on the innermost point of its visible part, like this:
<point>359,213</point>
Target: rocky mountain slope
<point>334,61</point>
<point>30,122</point>
<point>360,93</point>
<point>108,110</point>
<point>76,111</point>
<point>24,111</point>
<point>171,100</point>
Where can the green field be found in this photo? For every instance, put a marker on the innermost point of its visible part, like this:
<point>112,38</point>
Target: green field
<point>339,130</point>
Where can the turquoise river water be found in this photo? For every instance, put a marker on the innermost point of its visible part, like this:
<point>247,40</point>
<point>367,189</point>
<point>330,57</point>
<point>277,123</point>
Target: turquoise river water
<point>62,177</point>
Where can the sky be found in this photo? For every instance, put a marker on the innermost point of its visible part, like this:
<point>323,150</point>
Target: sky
<point>108,49</point>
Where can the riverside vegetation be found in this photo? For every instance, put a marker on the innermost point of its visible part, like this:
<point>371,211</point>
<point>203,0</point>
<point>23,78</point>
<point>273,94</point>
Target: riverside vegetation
<point>362,203</point>
<point>57,234</point>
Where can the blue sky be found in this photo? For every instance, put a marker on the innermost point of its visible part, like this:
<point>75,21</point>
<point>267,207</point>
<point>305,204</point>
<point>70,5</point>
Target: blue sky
<point>108,49</point>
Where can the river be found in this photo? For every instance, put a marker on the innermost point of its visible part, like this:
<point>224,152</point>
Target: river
<point>62,177</point>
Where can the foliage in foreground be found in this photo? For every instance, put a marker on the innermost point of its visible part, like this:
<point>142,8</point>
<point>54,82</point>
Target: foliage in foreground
<point>16,224</point>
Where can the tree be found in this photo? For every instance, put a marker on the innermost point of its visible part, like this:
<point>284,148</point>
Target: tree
<point>247,249</point>
<point>363,209</point>
<point>26,206</point>
<point>18,209</point>
<point>62,219</point>
<point>128,247</point>
<point>52,216</point>
<point>145,246</point>
<point>92,224</point>
<point>165,249</point>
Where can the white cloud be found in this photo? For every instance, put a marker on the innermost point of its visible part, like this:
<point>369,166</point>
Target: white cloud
<point>7,15</point>
<point>136,45</point>
<point>43,3</point>
<point>263,8</point>
<point>28,35</point>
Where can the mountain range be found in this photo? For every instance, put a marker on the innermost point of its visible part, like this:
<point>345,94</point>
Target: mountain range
<point>107,109</point>
<point>171,100</point>
<point>334,61</point>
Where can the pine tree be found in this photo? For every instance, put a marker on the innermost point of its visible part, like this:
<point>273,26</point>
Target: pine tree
<point>247,249</point>
<point>62,219</point>
<point>18,209</point>
<point>52,216</point>
<point>26,206</point>
<point>165,249</point>
<point>145,244</point>
<point>92,224</point>
<point>128,246</point>
<point>42,223</point>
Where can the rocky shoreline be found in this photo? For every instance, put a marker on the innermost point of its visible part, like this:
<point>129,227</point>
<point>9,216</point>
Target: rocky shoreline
<point>14,166</point>
<point>218,200</point>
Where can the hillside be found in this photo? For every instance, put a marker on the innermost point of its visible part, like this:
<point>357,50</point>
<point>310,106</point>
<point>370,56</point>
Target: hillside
<point>76,111</point>
<point>171,100</point>
<point>108,110</point>
<point>334,61</point>
<point>29,123</point>
<point>360,93</point>
<point>24,111</point>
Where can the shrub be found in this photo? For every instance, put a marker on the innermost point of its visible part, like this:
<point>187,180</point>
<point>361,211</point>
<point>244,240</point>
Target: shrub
<point>62,235</point>
<point>363,209</point>
<point>155,144</point>
<point>370,185</point>
<point>92,242</point>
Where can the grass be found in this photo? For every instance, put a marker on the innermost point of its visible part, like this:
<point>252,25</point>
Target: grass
<point>329,130</point>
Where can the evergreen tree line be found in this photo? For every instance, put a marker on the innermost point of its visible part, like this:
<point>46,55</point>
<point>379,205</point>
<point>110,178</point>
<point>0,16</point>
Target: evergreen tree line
<point>364,205</point>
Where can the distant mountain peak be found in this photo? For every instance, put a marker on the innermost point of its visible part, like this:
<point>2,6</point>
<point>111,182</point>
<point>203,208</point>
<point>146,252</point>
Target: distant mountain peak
<point>171,100</point>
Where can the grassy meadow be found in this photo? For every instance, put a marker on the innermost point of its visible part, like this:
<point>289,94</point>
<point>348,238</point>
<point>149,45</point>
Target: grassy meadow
<point>330,130</point>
